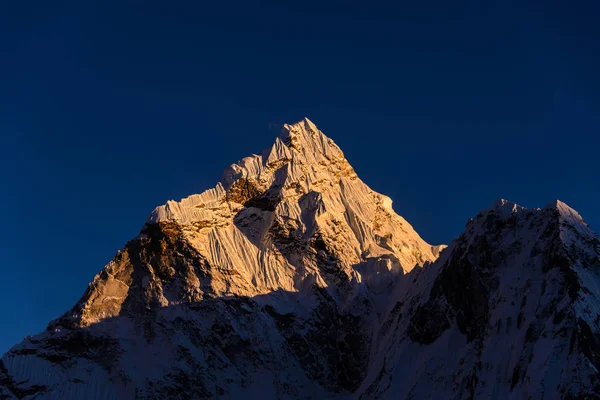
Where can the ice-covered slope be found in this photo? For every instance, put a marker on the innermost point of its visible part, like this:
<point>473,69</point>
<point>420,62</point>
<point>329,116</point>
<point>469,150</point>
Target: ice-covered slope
<point>274,277</point>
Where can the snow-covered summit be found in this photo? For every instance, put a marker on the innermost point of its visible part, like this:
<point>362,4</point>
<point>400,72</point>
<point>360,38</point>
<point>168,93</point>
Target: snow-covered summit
<point>301,159</point>
<point>505,207</point>
<point>292,230</point>
<point>565,212</point>
<point>292,279</point>
<point>294,216</point>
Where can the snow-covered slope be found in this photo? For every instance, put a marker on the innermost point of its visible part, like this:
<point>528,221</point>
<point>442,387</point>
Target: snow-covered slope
<point>292,279</point>
<point>275,275</point>
<point>509,311</point>
<point>294,217</point>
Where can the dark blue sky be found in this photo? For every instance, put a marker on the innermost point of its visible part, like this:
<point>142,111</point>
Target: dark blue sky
<point>109,109</point>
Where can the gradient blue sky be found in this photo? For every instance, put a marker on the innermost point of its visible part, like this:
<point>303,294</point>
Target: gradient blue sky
<point>108,109</point>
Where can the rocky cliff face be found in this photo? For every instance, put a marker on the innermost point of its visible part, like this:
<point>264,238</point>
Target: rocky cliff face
<point>292,279</point>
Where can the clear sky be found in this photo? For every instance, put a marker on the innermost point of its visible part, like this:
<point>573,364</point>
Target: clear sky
<point>110,108</point>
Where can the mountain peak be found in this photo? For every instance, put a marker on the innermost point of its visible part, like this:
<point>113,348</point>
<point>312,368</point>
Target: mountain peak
<point>305,122</point>
<point>571,224</point>
<point>291,217</point>
<point>291,278</point>
<point>304,137</point>
<point>505,207</point>
<point>502,203</point>
<point>565,212</point>
<point>563,208</point>
<point>301,159</point>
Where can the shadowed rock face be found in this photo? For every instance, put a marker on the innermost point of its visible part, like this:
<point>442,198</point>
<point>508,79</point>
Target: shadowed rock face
<point>501,313</point>
<point>292,279</point>
<point>155,269</point>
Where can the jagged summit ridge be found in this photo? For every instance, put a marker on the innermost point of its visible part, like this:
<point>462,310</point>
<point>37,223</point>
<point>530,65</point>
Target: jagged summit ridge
<point>301,159</point>
<point>292,239</point>
<point>505,207</point>
<point>559,208</point>
<point>292,279</point>
<point>295,216</point>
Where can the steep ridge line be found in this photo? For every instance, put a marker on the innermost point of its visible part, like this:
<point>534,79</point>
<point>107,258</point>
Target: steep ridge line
<point>292,279</point>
